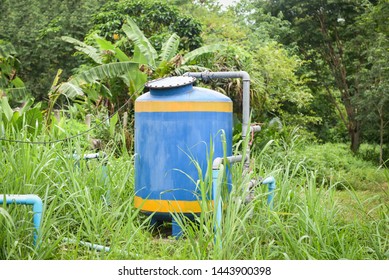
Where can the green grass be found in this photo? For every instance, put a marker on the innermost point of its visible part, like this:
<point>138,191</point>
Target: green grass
<point>314,216</point>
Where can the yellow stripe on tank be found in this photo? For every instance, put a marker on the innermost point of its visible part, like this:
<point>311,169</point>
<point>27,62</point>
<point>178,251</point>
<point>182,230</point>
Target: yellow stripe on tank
<point>183,106</point>
<point>167,206</point>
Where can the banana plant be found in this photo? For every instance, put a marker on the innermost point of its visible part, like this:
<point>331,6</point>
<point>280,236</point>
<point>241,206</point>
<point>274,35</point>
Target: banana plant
<point>169,60</point>
<point>10,82</point>
<point>112,63</point>
<point>27,117</point>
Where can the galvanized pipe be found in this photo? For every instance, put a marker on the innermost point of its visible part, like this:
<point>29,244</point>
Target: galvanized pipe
<point>27,199</point>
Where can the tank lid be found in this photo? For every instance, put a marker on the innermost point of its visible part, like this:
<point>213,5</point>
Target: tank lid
<point>170,82</point>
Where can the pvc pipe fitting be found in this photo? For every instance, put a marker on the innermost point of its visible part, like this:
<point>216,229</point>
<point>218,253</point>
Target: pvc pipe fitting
<point>27,199</point>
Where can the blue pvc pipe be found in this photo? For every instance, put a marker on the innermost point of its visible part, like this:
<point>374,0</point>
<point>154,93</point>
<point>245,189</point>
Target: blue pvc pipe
<point>27,199</point>
<point>216,196</point>
<point>271,184</point>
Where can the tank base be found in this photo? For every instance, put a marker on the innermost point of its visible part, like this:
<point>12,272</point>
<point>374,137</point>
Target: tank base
<point>157,219</point>
<point>176,229</point>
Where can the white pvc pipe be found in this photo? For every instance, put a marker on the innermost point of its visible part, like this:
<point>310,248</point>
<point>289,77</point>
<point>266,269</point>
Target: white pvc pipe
<point>96,247</point>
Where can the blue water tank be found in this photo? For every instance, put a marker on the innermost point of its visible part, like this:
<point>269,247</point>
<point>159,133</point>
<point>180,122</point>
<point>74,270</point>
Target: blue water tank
<point>175,123</point>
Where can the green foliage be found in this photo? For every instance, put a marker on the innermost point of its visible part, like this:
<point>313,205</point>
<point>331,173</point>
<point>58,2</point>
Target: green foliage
<point>156,19</point>
<point>373,77</point>
<point>310,220</point>
<point>146,49</point>
<point>90,51</point>
<point>145,53</point>
<point>336,38</point>
<point>10,83</point>
<point>336,163</point>
<point>114,64</point>
<point>170,48</point>
<point>373,153</point>
<point>26,120</point>
<point>35,27</point>
<point>264,26</point>
<point>279,89</point>
<point>276,88</point>
<point>333,164</point>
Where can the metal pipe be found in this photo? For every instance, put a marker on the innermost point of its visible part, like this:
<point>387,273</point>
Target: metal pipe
<point>27,199</point>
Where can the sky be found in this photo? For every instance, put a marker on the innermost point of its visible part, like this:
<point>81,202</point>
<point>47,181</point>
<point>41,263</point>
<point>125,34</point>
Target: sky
<point>226,2</point>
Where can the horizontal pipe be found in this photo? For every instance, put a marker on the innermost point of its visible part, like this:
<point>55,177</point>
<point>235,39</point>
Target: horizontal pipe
<point>207,75</point>
<point>255,128</point>
<point>231,159</point>
<point>27,199</point>
<point>96,247</point>
<point>90,156</point>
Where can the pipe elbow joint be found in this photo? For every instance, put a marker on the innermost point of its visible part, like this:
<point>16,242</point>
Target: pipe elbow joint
<point>37,203</point>
<point>271,182</point>
<point>216,163</point>
<point>245,76</point>
<point>268,180</point>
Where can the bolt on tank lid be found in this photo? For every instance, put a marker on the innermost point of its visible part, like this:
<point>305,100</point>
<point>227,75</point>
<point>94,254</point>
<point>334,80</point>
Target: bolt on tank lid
<point>170,82</point>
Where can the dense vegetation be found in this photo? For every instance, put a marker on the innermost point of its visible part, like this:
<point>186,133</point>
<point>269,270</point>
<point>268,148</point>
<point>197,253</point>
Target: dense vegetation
<point>319,86</point>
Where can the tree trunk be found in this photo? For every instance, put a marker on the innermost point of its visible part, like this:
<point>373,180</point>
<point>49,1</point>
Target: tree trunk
<point>382,129</point>
<point>334,57</point>
<point>381,140</point>
<point>354,133</point>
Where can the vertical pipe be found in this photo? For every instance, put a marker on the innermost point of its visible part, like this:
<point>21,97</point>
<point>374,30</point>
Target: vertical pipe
<point>246,99</point>
<point>216,196</point>
<point>246,117</point>
<point>30,199</point>
<point>246,103</point>
<point>271,184</point>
